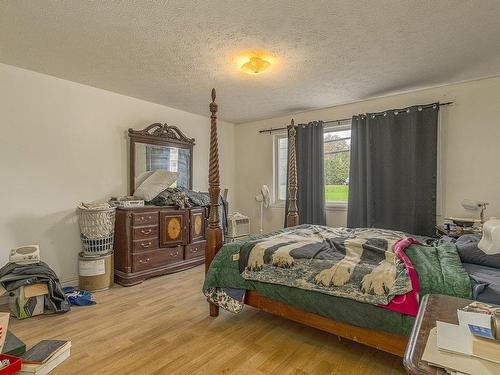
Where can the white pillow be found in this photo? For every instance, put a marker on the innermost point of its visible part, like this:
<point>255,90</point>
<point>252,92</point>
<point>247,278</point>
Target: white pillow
<point>155,184</point>
<point>142,177</point>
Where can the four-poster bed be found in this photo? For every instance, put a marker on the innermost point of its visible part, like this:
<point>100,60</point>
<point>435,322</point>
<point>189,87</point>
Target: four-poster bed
<point>362,284</point>
<point>388,342</point>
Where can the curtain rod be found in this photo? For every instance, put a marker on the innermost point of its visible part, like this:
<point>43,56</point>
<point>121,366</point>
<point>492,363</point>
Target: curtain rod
<point>271,130</point>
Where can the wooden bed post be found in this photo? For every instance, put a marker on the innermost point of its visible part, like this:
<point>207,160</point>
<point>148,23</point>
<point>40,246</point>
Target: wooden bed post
<point>292,218</point>
<point>214,234</point>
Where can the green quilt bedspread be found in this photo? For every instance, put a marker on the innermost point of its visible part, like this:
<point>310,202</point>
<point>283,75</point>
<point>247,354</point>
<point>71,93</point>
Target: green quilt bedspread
<point>438,267</point>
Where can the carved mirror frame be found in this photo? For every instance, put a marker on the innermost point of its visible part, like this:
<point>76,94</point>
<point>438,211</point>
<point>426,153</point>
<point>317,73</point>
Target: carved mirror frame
<point>162,135</point>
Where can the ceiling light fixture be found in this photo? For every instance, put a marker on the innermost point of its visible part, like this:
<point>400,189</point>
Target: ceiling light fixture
<point>255,65</point>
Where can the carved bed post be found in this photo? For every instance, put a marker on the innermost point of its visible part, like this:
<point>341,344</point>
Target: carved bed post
<point>214,234</point>
<point>292,218</point>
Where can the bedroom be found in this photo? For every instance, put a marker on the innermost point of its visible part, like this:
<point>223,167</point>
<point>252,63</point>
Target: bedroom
<point>75,76</point>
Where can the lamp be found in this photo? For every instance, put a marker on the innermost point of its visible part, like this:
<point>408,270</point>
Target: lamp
<point>255,65</point>
<point>490,242</point>
<point>474,205</point>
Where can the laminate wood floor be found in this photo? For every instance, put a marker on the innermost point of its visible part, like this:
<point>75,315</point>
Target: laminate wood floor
<point>162,327</point>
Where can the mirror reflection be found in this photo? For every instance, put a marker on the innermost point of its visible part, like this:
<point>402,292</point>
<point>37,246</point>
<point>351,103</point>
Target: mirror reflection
<point>150,157</point>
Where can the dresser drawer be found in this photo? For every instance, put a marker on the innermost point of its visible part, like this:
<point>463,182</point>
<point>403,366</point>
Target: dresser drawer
<point>145,218</point>
<point>195,250</point>
<point>155,258</point>
<point>142,233</point>
<point>145,245</point>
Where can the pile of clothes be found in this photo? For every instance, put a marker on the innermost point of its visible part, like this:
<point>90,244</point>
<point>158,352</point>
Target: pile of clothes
<point>78,297</point>
<point>183,198</point>
<point>14,276</point>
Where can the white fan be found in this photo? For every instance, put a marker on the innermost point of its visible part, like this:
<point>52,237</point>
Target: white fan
<point>264,197</point>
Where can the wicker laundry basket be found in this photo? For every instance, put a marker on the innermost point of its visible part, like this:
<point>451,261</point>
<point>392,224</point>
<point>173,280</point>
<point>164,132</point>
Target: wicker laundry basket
<point>97,227</point>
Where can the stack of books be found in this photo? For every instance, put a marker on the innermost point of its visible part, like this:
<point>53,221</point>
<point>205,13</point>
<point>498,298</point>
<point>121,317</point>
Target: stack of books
<point>471,347</point>
<point>44,357</point>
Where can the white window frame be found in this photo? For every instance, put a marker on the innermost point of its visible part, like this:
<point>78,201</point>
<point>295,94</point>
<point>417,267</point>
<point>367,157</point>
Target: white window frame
<point>329,205</point>
<point>276,201</point>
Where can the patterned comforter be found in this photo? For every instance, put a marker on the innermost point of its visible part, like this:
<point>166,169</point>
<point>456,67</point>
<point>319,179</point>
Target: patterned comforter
<point>353,263</point>
<point>436,266</point>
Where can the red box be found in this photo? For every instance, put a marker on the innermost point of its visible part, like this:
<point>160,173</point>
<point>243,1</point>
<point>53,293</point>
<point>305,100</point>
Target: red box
<point>15,364</point>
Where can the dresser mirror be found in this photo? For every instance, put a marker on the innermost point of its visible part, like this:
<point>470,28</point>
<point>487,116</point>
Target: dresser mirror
<point>160,146</point>
<point>158,239</point>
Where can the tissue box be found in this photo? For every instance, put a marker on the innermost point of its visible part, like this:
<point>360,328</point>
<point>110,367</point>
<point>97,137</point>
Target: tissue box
<point>28,300</point>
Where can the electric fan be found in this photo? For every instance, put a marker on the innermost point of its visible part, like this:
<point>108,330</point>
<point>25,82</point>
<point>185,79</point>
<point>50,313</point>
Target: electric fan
<point>264,197</point>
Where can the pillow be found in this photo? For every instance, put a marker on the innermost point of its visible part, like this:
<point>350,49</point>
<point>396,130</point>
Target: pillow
<point>470,253</point>
<point>155,184</point>
<point>142,177</point>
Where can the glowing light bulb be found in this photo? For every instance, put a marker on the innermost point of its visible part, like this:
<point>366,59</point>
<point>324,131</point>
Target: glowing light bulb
<point>255,65</point>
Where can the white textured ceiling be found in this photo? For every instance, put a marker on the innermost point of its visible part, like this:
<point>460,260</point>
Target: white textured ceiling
<point>328,52</point>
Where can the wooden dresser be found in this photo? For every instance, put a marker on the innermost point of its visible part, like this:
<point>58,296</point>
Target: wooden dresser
<point>154,240</point>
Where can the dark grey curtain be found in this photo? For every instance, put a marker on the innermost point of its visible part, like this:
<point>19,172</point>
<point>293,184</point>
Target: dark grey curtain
<point>392,179</point>
<point>310,174</point>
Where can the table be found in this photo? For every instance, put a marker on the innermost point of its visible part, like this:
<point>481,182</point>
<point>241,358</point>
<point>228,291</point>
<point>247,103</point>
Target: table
<point>433,307</point>
<point>440,231</point>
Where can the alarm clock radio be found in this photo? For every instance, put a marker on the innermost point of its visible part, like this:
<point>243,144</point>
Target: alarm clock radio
<point>25,254</point>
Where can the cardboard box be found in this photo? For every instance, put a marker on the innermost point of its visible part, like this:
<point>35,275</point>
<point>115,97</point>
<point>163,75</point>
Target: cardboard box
<point>28,300</point>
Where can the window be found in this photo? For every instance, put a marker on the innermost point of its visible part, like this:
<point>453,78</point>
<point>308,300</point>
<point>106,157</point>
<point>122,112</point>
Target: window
<point>174,159</point>
<point>337,149</point>
<point>337,157</point>
<point>162,157</point>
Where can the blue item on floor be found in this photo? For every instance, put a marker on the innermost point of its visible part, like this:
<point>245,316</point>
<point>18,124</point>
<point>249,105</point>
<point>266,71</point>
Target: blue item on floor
<point>78,297</point>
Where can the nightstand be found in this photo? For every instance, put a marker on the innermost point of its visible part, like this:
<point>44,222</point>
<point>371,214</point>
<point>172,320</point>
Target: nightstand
<point>440,231</point>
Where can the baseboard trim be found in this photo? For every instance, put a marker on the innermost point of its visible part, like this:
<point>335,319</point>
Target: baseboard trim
<point>70,282</point>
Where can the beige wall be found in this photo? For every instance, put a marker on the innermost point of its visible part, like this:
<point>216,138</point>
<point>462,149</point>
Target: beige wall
<point>470,148</point>
<point>62,143</point>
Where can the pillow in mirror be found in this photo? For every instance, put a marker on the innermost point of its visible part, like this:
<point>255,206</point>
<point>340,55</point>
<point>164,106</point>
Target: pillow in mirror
<point>158,181</point>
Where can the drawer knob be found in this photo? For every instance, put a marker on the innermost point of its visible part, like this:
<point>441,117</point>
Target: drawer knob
<point>144,261</point>
<point>146,245</point>
<point>146,231</point>
<point>174,254</point>
<point>195,250</point>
